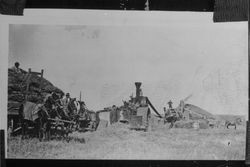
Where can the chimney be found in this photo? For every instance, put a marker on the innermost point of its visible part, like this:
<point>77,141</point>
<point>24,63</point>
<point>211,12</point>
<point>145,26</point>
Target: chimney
<point>137,85</point>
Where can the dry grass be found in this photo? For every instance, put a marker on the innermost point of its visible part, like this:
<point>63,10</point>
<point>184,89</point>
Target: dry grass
<point>118,142</point>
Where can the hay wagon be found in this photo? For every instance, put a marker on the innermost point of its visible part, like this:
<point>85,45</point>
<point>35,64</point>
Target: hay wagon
<point>19,92</point>
<point>26,90</point>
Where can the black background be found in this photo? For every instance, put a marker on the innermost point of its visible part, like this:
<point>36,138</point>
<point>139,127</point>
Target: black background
<point>170,5</point>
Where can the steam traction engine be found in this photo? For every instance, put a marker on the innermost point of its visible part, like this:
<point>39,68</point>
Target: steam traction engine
<point>137,110</point>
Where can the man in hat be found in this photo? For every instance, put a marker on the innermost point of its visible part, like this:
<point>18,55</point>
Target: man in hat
<point>112,114</point>
<point>16,68</point>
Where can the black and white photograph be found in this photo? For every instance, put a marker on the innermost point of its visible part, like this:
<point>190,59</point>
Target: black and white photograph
<point>169,86</point>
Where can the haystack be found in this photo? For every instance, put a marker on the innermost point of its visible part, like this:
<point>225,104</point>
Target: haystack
<point>17,85</point>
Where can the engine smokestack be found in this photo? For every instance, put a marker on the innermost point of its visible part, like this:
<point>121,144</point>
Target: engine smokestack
<point>138,85</point>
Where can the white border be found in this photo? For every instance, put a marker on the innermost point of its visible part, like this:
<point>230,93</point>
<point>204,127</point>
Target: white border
<point>73,17</point>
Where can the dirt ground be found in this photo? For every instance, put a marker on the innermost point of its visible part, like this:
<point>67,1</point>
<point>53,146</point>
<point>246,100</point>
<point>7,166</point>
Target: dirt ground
<point>118,142</point>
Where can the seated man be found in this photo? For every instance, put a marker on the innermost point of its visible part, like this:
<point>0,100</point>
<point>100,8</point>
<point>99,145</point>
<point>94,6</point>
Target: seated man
<point>16,68</point>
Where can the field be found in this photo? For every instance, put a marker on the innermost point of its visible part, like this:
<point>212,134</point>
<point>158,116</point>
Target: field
<point>118,142</point>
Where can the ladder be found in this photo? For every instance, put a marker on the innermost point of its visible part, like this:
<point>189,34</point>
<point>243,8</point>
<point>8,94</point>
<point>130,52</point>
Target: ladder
<point>28,81</point>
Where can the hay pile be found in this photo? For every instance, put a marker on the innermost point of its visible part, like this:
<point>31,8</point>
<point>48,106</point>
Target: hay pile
<point>202,124</point>
<point>184,124</point>
<point>197,112</point>
<point>17,84</point>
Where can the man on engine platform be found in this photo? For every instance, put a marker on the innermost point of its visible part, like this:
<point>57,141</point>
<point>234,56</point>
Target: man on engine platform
<point>170,104</point>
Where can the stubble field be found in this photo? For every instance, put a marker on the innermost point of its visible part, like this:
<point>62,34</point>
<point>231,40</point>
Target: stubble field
<point>118,142</point>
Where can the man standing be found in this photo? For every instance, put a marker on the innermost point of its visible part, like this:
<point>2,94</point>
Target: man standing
<point>166,112</point>
<point>170,104</point>
<point>65,102</point>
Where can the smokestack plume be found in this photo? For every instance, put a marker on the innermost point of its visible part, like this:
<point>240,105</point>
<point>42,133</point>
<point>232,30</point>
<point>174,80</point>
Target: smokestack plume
<point>137,85</point>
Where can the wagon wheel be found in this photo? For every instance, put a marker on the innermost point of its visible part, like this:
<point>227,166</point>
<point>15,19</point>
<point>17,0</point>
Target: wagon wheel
<point>58,133</point>
<point>68,130</point>
<point>64,133</point>
<point>42,133</point>
<point>78,126</point>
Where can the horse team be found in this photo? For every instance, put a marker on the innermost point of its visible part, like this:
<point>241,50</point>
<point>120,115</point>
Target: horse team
<point>56,117</point>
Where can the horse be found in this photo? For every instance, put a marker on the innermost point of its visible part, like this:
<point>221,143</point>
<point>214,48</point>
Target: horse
<point>72,109</point>
<point>49,109</point>
<point>234,123</point>
<point>66,121</point>
<point>53,110</point>
<point>81,112</point>
<point>45,124</point>
<point>61,128</point>
<point>33,115</point>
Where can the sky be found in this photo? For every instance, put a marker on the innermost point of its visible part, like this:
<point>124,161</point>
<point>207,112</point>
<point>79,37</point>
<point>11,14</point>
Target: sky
<point>188,55</point>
